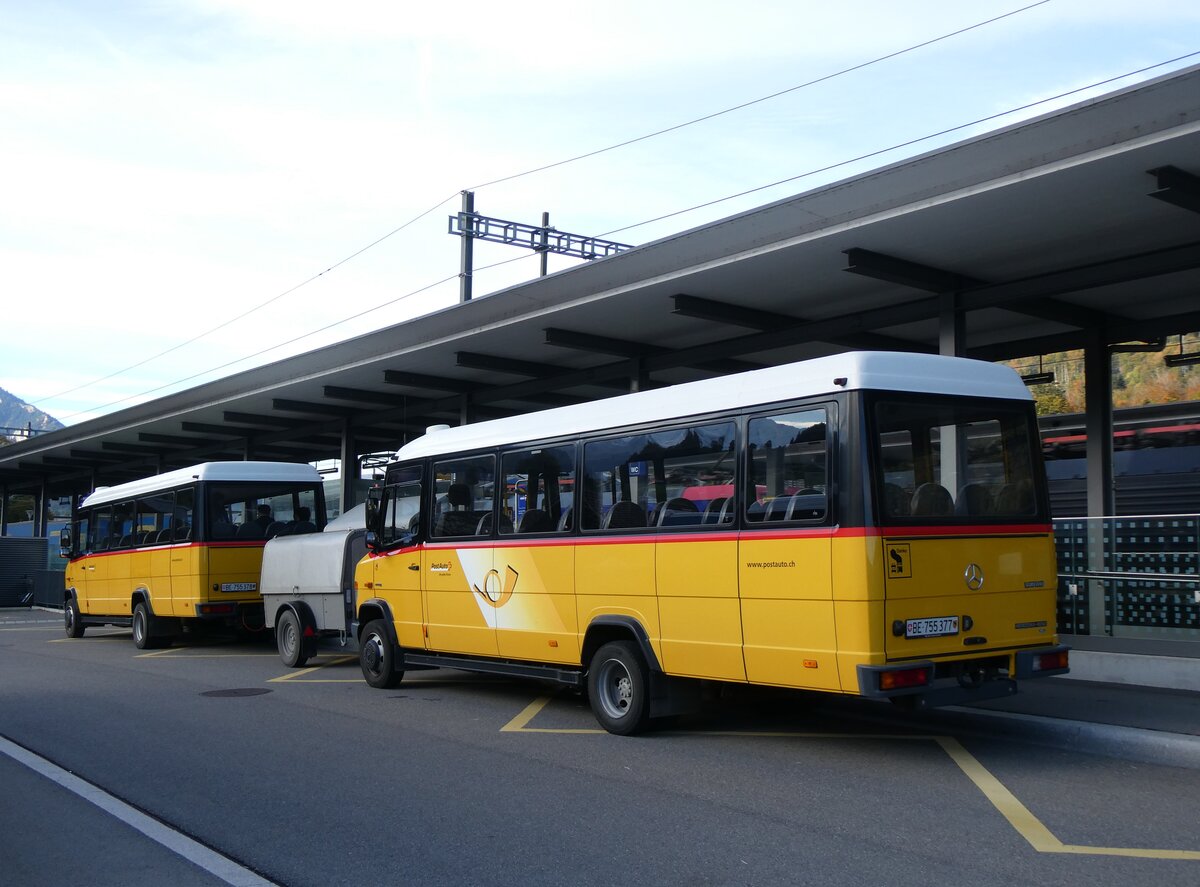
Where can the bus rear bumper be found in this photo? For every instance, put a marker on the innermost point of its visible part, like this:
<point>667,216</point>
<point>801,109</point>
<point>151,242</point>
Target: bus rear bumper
<point>924,684</point>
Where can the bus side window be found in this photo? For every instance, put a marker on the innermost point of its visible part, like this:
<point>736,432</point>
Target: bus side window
<point>181,523</point>
<point>401,506</point>
<point>539,488</point>
<point>789,467</point>
<point>466,490</point>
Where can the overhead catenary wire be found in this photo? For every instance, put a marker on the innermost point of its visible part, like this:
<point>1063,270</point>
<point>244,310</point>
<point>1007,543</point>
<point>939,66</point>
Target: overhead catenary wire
<point>508,178</point>
<point>868,155</point>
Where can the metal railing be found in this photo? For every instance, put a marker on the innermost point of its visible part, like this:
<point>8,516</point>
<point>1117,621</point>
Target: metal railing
<point>1132,576</point>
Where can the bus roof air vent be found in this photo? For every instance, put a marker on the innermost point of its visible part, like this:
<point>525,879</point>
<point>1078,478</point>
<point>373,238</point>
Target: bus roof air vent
<point>431,429</point>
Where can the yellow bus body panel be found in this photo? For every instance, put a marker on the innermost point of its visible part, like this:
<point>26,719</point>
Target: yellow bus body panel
<point>533,590</point>
<point>698,607</point>
<point>787,610</point>
<point>456,619</point>
<point>1013,607</point>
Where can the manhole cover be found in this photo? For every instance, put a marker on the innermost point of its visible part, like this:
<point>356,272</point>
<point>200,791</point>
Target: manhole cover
<point>237,691</point>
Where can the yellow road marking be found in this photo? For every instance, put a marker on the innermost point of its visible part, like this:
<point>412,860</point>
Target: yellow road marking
<point>303,671</point>
<point>1009,806</point>
<point>191,653</point>
<point>1029,826</point>
<point>45,627</point>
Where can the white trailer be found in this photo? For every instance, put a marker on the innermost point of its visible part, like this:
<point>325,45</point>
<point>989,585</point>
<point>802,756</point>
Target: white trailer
<point>307,586</point>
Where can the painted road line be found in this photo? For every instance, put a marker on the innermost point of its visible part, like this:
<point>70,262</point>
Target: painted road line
<point>1009,806</point>
<point>194,852</point>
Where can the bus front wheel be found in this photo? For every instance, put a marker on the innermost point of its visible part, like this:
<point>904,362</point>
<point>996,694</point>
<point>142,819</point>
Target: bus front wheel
<point>74,624</point>
<point>618,688</point>
<point>377,657</point>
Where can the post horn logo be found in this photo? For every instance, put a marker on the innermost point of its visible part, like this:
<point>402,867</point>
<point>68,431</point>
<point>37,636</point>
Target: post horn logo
<point>492,593</point>
<point>973,576</point>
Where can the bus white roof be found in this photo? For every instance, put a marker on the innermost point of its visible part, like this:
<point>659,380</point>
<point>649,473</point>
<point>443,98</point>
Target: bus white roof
<point>209,471</point>
<point>891,371</point>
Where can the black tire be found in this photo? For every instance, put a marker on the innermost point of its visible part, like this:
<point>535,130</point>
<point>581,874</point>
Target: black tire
<point>145,628</point>
<point>73,623</point>
<point>289,639</point>
<point>377,657</point>
<point>618,688</point>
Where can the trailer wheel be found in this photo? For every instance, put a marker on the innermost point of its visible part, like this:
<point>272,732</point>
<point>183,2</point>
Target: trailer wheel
<point>289,640</point>
<point>377,658</point>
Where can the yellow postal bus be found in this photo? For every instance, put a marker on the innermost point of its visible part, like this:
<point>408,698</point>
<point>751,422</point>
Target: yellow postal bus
<point>163,553</point>
<point>870,523</point>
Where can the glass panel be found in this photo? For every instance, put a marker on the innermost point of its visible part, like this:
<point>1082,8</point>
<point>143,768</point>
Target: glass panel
<point>667,478</point>
<point>154,516</point>
<point>539,490</point>
<point>181,524</point>
<point>465,491</point>
<point>789,467</point>
<point>121,532</point>
<point>401,505</point>
<point>263,510</point>
<point>956,460</point>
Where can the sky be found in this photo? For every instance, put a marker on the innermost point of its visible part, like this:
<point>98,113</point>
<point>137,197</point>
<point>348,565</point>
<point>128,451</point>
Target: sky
<point>192,188</point>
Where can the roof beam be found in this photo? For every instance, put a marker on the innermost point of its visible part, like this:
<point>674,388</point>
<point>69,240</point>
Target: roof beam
<point>285,405</point>
<point>175,440</point>
<point>422,381</point>
<point>205,428</point>
<point>879,266</point>
<point>737,315</point>
<point>261,422</point>
<point>363,395</point>
<point>473,360</point>
<point>1177,187</point>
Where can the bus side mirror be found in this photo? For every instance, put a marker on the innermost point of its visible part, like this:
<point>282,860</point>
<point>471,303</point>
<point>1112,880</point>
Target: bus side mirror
<point>64,543</point>
<point>372,541</point>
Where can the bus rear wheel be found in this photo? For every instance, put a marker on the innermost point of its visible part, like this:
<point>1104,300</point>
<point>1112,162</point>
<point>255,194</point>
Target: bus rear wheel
<point>618,688</point>
<point>289,640</point>
<point>143,626</point>
<point>377,657</point>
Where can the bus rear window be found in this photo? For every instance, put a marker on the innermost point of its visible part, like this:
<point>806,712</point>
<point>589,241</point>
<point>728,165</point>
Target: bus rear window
<point>953,459</point>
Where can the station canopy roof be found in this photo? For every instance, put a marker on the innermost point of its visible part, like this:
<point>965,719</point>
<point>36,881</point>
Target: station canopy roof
<point>1043,233</point>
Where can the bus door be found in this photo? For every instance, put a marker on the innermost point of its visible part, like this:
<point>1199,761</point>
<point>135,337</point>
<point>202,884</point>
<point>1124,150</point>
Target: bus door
<point>785,552</point>
<point>689,476</point>
<point>114,593</point>
<point>967,551</point>
<point>184,555</point>
<point>396,573</point>
<point>532,581</point>
<point>457,561</point>
<point>90,570</point>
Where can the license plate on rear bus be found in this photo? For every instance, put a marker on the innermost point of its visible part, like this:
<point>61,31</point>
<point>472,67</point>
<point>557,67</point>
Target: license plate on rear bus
<point>933,627</point>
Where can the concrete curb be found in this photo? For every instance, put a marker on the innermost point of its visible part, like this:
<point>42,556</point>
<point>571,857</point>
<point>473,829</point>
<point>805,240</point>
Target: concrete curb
<point>1167,672</point>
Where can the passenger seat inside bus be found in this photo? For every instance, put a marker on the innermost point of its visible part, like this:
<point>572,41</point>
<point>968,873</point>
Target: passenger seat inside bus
<point>678,512</point>
<point>459,520</point>
<point>625,515</point>
<point>932,500</point>
<point>535,520</point>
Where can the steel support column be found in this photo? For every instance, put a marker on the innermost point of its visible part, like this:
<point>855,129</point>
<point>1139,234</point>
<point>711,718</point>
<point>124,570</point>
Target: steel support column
<point>952,327</point>
<point>349,468</point>
<point>1097,380</point>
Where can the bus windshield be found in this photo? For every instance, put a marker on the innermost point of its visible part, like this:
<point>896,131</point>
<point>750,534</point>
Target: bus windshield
<point>955,460</point>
